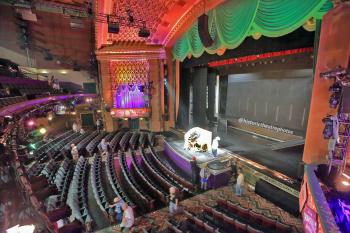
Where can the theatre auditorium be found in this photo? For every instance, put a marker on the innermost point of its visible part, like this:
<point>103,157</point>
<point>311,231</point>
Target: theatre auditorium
<point>170,116</point>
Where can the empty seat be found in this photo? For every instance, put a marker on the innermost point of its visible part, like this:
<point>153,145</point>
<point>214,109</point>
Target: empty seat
<point>268,223</point>
<point>240,227</point>
<point>282,228</point>
<point>251,229</point>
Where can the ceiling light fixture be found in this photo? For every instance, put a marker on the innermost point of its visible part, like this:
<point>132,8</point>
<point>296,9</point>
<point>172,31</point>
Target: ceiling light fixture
<point>144,31</point>
<point>112,26</point>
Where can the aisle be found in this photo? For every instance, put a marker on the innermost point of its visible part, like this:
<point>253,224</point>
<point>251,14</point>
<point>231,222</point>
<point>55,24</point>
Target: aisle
<point>100,221</point>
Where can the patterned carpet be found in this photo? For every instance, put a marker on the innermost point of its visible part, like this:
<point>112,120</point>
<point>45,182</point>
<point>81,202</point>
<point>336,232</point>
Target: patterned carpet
<point>156,220</point>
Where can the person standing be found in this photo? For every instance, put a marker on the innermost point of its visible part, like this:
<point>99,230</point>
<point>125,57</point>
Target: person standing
<point>74,152</point>
<point>128,218</point>
<point>173,200</point>
<point>215,146</point>
<point>99,124</point>
<point>204,174</point>
<point>240,183</point>
<point>75,127</point>
<point>104,145</point>
<point>117,205</point>
<point>232,164</point>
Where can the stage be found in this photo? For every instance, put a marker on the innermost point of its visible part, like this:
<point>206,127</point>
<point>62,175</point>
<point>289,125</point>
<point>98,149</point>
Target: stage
<point>180,157</point>
<point>254,151</point>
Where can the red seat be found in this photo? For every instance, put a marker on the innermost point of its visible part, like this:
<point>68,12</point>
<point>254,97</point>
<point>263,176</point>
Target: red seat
<point>209,228</point>
<point>282,228</point>
<point>268,223</point>
<point>232,207</point>
<point>198,222</point>
<point>242,212</point>
<point>257,218</point>
<point>207,209</point>
<point>225,218</point>
<point>240,227</point>
<point>253,230</point>
<point>217,215</point>
<point>222,203</point>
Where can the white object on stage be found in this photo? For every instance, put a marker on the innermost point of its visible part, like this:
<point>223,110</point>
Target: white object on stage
<point>198,139</point>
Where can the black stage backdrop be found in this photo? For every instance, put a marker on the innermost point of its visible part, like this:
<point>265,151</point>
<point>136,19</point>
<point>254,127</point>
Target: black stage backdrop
<point>211,96</point>
<point>183,114</point>
<point>199,85</point>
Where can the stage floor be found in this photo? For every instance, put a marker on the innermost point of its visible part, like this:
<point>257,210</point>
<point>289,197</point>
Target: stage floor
<point>202,157</point>
<point>258,149</point>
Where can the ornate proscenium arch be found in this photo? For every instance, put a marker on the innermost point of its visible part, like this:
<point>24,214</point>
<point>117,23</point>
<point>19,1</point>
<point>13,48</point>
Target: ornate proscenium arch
<point>166,19</point>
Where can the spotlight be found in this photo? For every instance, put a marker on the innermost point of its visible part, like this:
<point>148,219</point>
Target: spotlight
<point>338,71</point>
<point>31,152</point>
<point>112,27</point>
<point>346,176</point>
<point>88,100</point>
<point>112,112</point>
<point>30,123</point>
<point>50,117</point>
<point>42,130</point>
<point>345,183</point>
<point>144,32</point>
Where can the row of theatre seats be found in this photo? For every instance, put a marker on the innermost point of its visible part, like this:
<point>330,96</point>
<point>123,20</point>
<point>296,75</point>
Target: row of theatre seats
<point>38,189</point>
<point>96,181</point>
<point>16,90</point>
<point>24,86</point>
<point>150,185</point>
<point>77,194</point>
<point>228,217</point>
<point>139,193</point>
<point>6,101</point>
<point>71,180</point>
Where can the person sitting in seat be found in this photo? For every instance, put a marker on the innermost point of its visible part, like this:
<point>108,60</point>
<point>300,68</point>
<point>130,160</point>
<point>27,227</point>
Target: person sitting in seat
<point>128,218</point>
<point>118,204</point>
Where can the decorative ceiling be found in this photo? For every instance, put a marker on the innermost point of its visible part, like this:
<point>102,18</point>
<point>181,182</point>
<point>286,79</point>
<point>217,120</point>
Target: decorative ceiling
<point>150,12</point>
<point>56,40</point>
<point>68,2</point>
<point>166,19</point>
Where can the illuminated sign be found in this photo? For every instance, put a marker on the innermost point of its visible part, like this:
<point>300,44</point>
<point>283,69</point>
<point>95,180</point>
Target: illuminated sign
<point>130,113</point>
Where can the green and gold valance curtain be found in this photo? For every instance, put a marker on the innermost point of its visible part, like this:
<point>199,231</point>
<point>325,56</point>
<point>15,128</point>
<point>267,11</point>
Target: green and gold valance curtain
<point>231,22</point>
